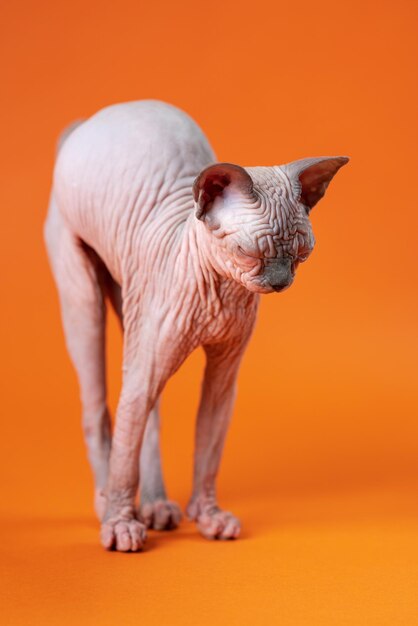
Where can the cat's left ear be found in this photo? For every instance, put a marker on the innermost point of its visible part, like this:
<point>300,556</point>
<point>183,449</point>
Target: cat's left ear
<point>310,177</point>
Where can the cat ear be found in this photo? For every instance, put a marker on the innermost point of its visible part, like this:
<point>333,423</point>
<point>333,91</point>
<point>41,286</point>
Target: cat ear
<point>310,177</point>
<point>219,180</point>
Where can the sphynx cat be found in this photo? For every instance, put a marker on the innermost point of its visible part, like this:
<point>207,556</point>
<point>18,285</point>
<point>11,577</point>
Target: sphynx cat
<point>142,215</point>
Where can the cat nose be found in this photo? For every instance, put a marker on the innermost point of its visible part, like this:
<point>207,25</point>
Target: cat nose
<point>280,287</point>
<point>278,272</point>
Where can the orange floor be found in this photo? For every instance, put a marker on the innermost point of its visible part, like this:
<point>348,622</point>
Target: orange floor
<point>309,560</point>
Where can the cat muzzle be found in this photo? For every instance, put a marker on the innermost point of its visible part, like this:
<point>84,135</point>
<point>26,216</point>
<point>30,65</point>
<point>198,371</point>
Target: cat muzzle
<point>278,273</point>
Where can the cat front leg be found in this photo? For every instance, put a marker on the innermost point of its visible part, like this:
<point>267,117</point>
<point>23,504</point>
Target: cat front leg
<point>149,360</point>
<point>215,410</point>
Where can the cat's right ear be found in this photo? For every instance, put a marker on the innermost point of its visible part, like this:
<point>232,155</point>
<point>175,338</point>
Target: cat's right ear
<point>219,181</point>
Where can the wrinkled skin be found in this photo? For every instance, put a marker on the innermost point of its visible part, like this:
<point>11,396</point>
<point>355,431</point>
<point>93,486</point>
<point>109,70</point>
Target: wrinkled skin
<point>141,215</point>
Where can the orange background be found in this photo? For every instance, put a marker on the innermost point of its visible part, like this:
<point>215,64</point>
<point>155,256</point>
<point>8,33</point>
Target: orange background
<point>321,461</point>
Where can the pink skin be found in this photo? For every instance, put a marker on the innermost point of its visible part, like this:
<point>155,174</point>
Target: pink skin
<point>141,216</point>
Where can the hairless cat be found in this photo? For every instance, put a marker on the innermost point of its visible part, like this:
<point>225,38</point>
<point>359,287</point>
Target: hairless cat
<point>141,214</point>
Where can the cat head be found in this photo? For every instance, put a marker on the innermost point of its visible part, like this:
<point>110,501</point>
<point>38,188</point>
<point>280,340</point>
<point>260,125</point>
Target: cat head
<point>258,217</point>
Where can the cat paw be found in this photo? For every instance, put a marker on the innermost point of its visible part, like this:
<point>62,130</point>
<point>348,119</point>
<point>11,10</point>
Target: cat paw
<point>123,535</point>
<point>161,514</point>
<point>213,523</point>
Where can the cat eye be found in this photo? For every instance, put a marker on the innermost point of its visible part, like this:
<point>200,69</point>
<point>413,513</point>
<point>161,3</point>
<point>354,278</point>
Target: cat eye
<point>246,255</point>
